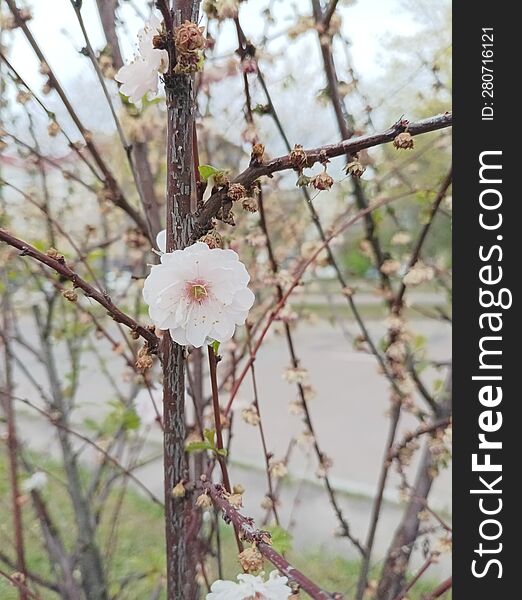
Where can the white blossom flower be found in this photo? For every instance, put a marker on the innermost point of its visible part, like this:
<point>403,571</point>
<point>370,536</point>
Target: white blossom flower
<point>141,76</point>
<point>199,294</point>
<point>144,406</point>
<point>251,587</point>
<point>37,481</point>
<point>161,241</point>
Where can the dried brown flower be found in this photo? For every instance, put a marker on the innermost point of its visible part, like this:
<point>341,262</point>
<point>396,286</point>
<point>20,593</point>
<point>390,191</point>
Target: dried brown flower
<point>188,38</point>
<point>250,204</point>
<point>236,191</point>
<point>298,158</point>
<point>323,181</point>
<point>70,295</point>
<point>251,560</point>
<point>403,141</point>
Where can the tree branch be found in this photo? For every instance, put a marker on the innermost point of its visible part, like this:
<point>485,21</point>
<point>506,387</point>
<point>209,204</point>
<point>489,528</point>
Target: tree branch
<point>284,163</point>
<point>328,14</point>
<point>249,533</point>
<point>60,266</point>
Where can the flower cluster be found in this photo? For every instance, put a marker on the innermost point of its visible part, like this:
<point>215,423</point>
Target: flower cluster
<point>250,587</point>
<point>198,294</point>
<point>141,76</point>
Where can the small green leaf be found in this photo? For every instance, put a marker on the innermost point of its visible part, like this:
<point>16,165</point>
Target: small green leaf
<point>209,435</point>
<point>419,342</point>
<point>91,424</point>
<point>222,452</point>
<point>131,420</point>
<point>215,347</point>
<point>197,447</point>
<point>281,539</point>
<point>207,171</point>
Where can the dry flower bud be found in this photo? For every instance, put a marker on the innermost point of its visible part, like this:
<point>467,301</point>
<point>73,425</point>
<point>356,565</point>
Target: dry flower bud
<point>250,204</point>
<point>390,266</point>
<point>70,295</point>
<point>23,97</point>
<point>278,469</point>
<point>236,191</point>
<point>18,577</point>
<point>188,37</point>
<point>106,66</point>
<point>323,181</point>
<point>324,467</point>
<point>258,152</point>
<point>401,238</point>
<point>144,360</point>
<point>221,178</point>
<point>250,415</point>
<point>298,158</point>
<point>235,500</point>
<point>403,141</point>
<point>53,129</point>
<point>204,501</point>
<point>238,489</point>
<point>295,375</point>
<point>44,68</point>
<point>159,42</point>
<point>251,560</point>
<point>355,168</point>
<point>419,273</point>
<point>188,63</point>
<point>212,239</point>
<point>53,253</point>
<point>178,491</point>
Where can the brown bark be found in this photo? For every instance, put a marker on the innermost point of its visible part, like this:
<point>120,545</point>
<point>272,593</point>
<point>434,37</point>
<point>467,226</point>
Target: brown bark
<point>180,206</point>
<point>399,553</point>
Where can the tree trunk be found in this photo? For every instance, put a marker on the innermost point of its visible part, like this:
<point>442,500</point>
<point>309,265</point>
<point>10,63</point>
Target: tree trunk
<point>398,557</point>
<point>181,564</point>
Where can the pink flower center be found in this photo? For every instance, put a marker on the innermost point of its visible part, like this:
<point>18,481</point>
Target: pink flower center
<point>197,291</point>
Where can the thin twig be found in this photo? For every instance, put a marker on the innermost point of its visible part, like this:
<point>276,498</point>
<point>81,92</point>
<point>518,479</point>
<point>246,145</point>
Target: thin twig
<point>284,163</point>
<point>60,266</point>
<point>250,533</point>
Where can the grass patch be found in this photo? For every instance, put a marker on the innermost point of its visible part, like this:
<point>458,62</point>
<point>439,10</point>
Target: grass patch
<point>136,559</point>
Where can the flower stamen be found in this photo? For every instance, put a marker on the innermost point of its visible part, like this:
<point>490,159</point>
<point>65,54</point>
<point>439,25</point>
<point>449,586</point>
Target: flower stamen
<point>197,291</point>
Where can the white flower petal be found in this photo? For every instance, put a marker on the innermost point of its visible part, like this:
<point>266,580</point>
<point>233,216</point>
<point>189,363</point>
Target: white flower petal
<point>243,299</point>
<point>161,241</point>
<point>251,586</point>
<point>199,294</point>
<point>199,325</point>
<point>141,76</point>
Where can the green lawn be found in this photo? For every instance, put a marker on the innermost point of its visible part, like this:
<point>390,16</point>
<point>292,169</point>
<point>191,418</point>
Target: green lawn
<point>137,556</point>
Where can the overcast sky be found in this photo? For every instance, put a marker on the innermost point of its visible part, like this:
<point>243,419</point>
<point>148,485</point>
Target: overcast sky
<point>366,23</point>
<point>55,27</point>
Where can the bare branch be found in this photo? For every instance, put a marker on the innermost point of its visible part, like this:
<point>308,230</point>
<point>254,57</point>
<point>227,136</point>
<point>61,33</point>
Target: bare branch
<point>250,533</point>
<point>60,266</point>
<point>284,163</point>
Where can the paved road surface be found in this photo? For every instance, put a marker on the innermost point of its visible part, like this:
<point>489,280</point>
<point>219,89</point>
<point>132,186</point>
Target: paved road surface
<point>349,414</point>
